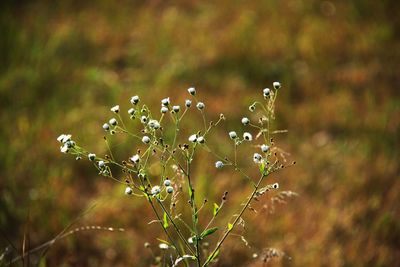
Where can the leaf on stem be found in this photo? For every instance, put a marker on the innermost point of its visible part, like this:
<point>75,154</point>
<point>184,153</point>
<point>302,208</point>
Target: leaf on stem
<point>165,221</point>
<point>208,232</point>
<point>216,209</point>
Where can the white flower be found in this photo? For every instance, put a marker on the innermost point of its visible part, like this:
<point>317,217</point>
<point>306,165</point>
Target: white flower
<point>135,99</point>
<point>106,126</point>
<point>232,135</point>
<point>165,102</point>
<point>143,119</point>
<point>163,246</point>
<point>188,103</point>
<point>167,182</point>
<point>245,121</point>
<point>155,190</point>
<point>64,138</point>
<point>92,156</point>
<point>257,158</point>
<point>101,164</point>
<point>164,110</point>
<point>264,148</point>
<point>200,140</point>
<point>219,164</point>
<point>193,138</point>
<point>64,148</point>
<point>135,158</point>
<point>200,105</point>
<point>277,85</point>
<point>192,91</point>
<point>131,111</point>
<point>275,186</point>
<point>128,191</point>
<point>115,109</point>
<point>154,124</point>
<point>113,121</point>
<point>247,136</point>
<point>146,139</point>
<point>190,240</point>
<point>266,92</point>
<point>170,189</point>
<point>176,108</point>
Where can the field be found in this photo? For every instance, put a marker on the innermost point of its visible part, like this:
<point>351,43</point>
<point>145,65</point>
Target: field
<point>63,64</point>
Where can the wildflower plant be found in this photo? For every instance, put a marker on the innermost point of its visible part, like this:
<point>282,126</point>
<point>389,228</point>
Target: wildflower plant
<point>186,241</point>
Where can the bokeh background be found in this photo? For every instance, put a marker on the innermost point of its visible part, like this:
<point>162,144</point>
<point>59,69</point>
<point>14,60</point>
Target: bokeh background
<point>63,64</point>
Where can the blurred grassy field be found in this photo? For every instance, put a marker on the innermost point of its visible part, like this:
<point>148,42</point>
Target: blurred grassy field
<point>64,63</point>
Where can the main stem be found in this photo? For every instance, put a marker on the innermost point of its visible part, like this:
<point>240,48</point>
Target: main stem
<point>236,221</point>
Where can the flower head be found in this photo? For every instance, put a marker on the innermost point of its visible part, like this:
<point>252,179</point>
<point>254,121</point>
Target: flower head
<point>266,93</point>
<point>264,148</point>
<point>257,158</point>
<point>115,109</point>
<point>192,91</point>
<point>252,107</point>
<point>201,140</point>
<point>167,182</point>
<point>64,138</point>
<point>163,246</point>
<point>146,139</point>
<point>113,122</point>
<point>135,158</point>
<point>128,191</point>
<point>232,135</point>
<point>135,99</point>
<point>247,136</point>
<point>200,106</point>
<point>155,190</point>
<point>193,138</point>
<point>165,102</point>
<point>101,163</point>
<point>154,124</point>
<point>131,111</point>
<point>277,85</point>
<point>188,103</point>
<point>245,120</point>
<point>106,127</point>
<point>92,156</point>
<point>219,164</point>
<point>170,189</point>
<point>176,109</point>
<point>164,109</point>
<point>143,119</point>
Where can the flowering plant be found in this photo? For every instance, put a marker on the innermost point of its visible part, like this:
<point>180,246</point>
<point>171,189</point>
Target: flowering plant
<point>186,242</point>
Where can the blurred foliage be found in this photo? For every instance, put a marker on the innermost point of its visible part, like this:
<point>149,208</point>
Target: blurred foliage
<point>64,63</point>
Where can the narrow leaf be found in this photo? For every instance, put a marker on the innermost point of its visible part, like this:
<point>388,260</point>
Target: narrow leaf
<point>208,232</point>
<point>216,209</point>
<point>230,226</point>
<point>165,220</point>
<point>211,258</point>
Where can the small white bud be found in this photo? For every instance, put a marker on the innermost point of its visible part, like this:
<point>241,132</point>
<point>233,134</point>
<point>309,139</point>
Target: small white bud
<point>106,127</point>
<point>264,148</point>
<point>232,135</point>
<point>92,156</point>
<point>146,139</point>
<point>247,136</point>
<point>257,158</point>
<point>128,191</point>
<point>167,182</point>
<point>200,106</point>
<point>131,111</point>
<point>252,107</point>
<point>64,138</point>
<point>176,108</point>
<point>165,102</point>
<point>170,189</point>
<point>188,103</point>
<point>192,91</point>
<point>113,122</point>
<point>275,186</point>
<point>201,140</point>
<point>135,99</point>
<point>219,164</point>
<point>155,190</point>
<point>193,138</point>
<point>164,110</point>
<point>190,240</point>
<point>115,109</point>
<point>143,119</point>
<point>64,148</point>
<point>101,164</point>
<point>277,85</point>
<point>163,246</point>
<point>154,124</point>
<point>266,92</point>
<point>135,158</point>
<point>245,121</point>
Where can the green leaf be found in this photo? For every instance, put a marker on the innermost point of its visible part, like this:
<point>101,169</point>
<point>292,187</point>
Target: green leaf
<point>212,257</point>
<point>230,226</point>
<point>208,232</point>
<point>262,167</point>
<point>216,209</point>
<point>165,220</point>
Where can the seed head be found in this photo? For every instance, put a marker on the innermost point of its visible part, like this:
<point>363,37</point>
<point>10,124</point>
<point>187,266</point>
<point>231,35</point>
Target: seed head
<point>167,182</point>
<point>143,119</point>
<point>101,164</point>
<point>266,93</point>
<point>201,140</point>
<point>245,121</point>
<point>128,191</point>
<point>188,103</point>
<point>155,190</point>
<point>115,109</point>
<point>131,111</point>
<point>146,139</point>
<point>176,109</point>
<point>154,124</point>
<point>252,107</point>
<point>219,164</point>
<point>113,122</point>
<point>264,148</point>
<point>135,99</point>
<point>64,138</point>
<point>165,102</point>
<point>277,85</point>
<point>164,110</point>
<point>193,138</point>
<point>247,136</point>
<point>232,135</point>
<point>192,91</point>
<point>200,106</point>
<point>135,158</point>
<point>106,127</point>
<point>92,156</point>
<point>170,189</point>
<point>257,158</point>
